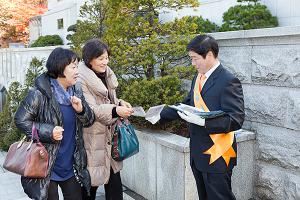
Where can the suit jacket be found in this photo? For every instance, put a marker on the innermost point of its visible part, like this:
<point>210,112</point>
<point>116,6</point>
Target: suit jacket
<point>222,91</point>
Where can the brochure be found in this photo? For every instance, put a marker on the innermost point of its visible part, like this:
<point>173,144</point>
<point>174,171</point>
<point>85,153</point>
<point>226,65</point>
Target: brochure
<point>152,115</point>
<point>186,108</point>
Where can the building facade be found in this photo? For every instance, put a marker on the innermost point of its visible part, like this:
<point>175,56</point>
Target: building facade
<point>287,11</point>
<point>60,15</point>
<point>63,13</point>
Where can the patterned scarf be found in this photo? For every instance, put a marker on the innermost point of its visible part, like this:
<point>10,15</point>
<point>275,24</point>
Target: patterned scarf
<point>63,97</point>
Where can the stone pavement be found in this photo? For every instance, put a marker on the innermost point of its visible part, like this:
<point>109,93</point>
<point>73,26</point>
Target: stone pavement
<point>11,189</point>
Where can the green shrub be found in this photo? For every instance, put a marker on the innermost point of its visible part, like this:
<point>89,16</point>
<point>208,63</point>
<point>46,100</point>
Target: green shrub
<point>91,24</point>
<point>36,67</point>
<point>146,93</point>
<point>13,135</point>
<point>9,133</point>
<point>48,40</point>
<point>5,123</point>
<point>203,25</point>
<point>182,72</point>
<point>252,15</point>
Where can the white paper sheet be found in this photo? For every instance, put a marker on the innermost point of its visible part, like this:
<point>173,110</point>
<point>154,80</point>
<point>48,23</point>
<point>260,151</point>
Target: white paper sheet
<point>152,115</point>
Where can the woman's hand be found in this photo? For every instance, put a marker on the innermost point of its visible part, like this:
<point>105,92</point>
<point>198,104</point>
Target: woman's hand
<point>125,103</point>
<point>76,104</point>
<point>57,133</point>
<point>124,111</point>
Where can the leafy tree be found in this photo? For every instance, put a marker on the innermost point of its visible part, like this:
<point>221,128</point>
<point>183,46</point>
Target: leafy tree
<point>14,18</point>
<point>141,45</point>
<point>4,16</point>
<point>91,25</point>
<point>148,56</point>
<point>16,93</point>
<point>134,26</point>
<point>249,14</point>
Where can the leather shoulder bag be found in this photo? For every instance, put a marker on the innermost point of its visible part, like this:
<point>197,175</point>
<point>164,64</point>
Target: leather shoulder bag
<point>28,159</point>
<point>124,140</point>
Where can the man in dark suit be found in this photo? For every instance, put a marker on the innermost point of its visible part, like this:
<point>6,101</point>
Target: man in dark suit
<point>212,142</point>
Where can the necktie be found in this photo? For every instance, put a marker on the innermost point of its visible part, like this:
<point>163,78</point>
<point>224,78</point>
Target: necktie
<point>202,79</point>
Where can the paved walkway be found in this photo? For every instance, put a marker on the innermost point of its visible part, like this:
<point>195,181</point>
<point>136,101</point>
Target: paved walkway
<point>11,189</point>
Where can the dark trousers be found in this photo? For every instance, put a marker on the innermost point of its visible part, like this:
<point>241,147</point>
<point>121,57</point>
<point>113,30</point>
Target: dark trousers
<point>70,188</point>
<point>213,186</point>
<point>113,189</point>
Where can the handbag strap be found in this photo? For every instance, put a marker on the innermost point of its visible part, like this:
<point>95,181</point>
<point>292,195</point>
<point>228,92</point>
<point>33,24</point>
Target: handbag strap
<point>34,133</point>
<point>121,121</point>
<point>126,121</point>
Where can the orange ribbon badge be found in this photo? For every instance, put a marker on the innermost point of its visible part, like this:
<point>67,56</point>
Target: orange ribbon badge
<point>222,141</point>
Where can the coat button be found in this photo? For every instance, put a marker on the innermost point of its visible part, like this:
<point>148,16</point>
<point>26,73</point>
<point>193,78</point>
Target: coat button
<point>108,143</point>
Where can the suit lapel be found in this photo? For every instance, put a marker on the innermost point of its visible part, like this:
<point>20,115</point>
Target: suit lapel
<point>211,80</point>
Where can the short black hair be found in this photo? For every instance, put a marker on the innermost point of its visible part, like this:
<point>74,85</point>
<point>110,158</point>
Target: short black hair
<point>57,61</point>
<point>202,44</point>
<point>92,49</point>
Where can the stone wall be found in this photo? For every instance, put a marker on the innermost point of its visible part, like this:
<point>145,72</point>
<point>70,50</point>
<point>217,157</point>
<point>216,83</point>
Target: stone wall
<point>14,62</point>
<point>161,170</point>
<point>267,61</point>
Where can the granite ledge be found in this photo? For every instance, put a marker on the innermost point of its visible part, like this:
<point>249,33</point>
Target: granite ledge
<point>256,33</point>
<point>180,143</point>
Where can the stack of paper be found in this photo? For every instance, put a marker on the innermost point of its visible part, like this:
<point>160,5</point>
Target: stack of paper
<point>152,115</point>
<point>200,112</point>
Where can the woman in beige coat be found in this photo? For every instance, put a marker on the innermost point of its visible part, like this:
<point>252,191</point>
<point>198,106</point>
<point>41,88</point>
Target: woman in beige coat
<point>99,85</point>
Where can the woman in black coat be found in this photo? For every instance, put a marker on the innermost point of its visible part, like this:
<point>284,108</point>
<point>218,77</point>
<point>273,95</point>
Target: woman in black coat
<point>58,109</point>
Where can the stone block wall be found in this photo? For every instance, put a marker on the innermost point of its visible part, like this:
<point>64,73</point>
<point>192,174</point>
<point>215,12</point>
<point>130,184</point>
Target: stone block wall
<point>15,61</point>
<point>161,170</point>
<point>267,61</point>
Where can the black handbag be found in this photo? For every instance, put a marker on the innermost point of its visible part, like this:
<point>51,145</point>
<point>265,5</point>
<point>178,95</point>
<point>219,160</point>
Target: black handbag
<point>124,140</point>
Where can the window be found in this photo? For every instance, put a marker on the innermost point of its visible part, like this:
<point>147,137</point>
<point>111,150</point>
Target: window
<point>60,23</point>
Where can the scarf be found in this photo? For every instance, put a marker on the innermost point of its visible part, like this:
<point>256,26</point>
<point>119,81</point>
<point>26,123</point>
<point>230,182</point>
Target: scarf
<point>63,97</point>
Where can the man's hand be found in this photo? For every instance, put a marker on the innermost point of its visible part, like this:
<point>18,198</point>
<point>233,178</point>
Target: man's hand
<point>57,133</point>
<point>76,104</point>
<point>191,118</point>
